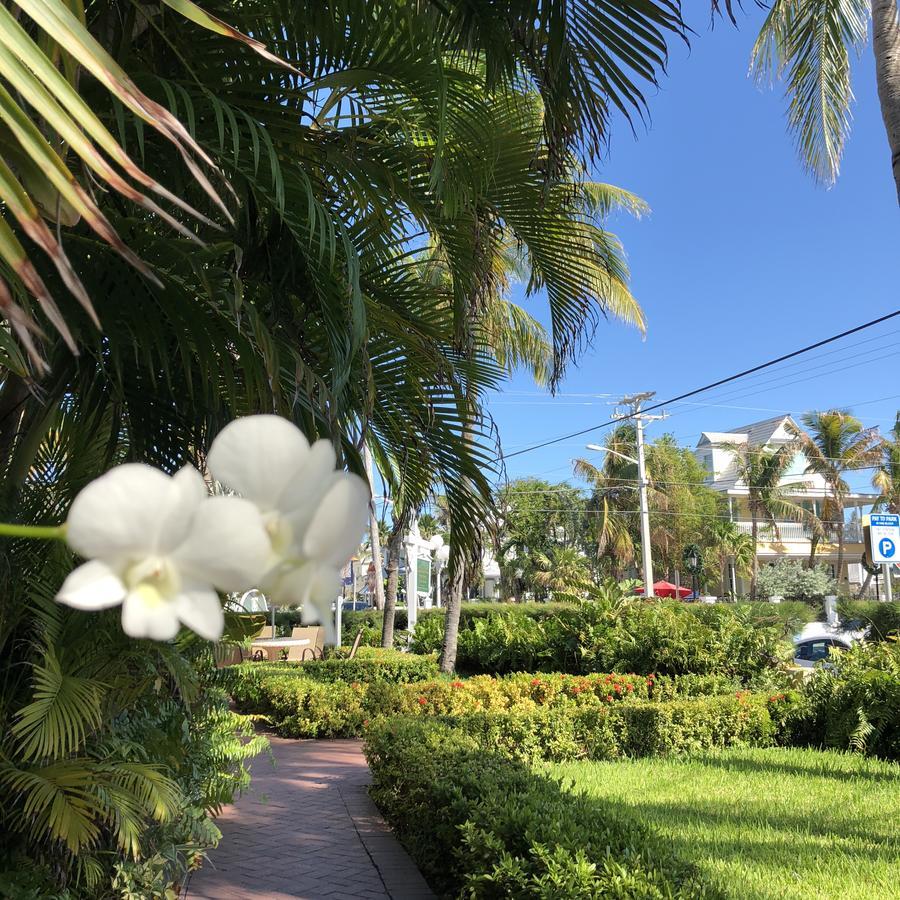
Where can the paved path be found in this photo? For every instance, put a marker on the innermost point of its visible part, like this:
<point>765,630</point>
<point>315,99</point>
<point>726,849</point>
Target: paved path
<point>307,828</point>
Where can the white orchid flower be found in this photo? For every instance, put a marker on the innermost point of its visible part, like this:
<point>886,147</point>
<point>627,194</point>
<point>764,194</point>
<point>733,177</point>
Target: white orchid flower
<point>160,546</point>
<point>315,515</point>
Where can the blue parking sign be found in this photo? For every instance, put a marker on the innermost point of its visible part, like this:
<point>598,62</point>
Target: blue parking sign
<point>884,537</point>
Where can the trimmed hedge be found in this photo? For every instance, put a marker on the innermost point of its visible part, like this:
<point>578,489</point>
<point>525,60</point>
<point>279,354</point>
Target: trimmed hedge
<point>637,636</point>
<point>372,664</point>
<point>299,706</point>
<point>641,728</point>
<point>480,824</point>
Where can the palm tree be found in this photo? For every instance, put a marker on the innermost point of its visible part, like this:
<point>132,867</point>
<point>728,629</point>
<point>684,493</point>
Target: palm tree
<point>388,127</point>
<point>810,45</point>
<point>887,478</point>
<point>762,470</point>
<point>728,544</point>
<point>563,571</point>
<point>613,498</point>
<point>835,443</point>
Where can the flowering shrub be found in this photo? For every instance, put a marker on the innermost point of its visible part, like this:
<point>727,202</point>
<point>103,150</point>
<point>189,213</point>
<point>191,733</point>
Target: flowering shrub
<point>481,824</point>
<point>301,706</point>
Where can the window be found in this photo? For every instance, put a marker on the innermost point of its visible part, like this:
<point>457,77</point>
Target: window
<point>812,651</point>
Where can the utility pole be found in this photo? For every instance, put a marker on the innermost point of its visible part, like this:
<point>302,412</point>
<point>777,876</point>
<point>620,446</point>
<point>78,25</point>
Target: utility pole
<point>635,401</point>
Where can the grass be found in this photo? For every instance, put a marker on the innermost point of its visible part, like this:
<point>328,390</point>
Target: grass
<point>767,823</point>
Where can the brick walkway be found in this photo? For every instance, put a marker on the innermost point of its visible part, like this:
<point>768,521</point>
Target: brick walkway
<point>307,828</point>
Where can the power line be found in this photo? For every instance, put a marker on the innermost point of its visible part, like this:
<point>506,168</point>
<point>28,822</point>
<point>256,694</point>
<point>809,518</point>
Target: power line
<point>714,384</point>
<point>627,482</point>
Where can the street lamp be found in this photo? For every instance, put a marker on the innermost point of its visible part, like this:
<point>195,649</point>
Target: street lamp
<point>645,509</point>
<point>694,562</point>
<point>441,555</point>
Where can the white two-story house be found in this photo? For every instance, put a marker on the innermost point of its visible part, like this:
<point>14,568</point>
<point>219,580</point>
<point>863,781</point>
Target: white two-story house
<point>793,540</point>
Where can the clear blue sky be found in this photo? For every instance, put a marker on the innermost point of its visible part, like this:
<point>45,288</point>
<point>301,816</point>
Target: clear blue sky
<point>743,258</point>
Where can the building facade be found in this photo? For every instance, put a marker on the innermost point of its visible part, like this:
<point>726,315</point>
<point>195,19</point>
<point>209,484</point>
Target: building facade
<point>793,540</point>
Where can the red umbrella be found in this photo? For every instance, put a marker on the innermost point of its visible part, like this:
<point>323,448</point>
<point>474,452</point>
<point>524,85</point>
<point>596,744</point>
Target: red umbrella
<point>667,589</point>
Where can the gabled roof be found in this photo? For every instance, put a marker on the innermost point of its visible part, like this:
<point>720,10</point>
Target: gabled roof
<point>756,433</point>
<point>760,433</point>
<point>721,437</point>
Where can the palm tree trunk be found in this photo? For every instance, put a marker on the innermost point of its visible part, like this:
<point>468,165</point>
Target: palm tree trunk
<point>865,585</point>
<point>454,607</point>
<point>813,546</point>
<point>395,547</point>
<point>374,535</point>
<point>840,537</point>
<point>754,570</point>
<point>886,43</point>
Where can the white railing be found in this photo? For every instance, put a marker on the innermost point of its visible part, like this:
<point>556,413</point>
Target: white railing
<point>796,531</point>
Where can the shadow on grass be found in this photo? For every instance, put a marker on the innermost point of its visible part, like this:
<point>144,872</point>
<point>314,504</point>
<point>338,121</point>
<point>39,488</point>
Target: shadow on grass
<point>794,836</point>
<point>735,762</point>
<point>481,824</point>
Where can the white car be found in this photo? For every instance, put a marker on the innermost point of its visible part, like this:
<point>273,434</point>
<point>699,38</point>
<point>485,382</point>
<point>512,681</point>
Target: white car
<point>814,643</point>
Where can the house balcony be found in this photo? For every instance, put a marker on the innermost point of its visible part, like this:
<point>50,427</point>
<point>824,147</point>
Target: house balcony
<point>791,532</point>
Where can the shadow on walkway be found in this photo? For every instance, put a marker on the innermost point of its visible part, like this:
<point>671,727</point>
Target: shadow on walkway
<point>307,828</point>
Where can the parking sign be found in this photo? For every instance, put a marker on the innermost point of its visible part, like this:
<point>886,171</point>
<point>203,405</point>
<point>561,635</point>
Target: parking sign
<point>884,538</point>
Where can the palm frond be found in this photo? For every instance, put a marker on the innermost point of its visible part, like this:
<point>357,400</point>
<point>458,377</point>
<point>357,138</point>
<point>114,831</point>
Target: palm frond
<point>808,44</point>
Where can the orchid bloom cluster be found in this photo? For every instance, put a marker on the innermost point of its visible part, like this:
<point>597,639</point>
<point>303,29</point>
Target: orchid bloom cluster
<point>163,548</point>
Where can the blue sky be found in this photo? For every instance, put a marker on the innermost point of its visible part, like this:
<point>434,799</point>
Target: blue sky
<point>742,258</point>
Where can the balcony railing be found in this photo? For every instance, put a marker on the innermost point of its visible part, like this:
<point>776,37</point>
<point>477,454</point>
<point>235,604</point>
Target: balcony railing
<point>796,531</point>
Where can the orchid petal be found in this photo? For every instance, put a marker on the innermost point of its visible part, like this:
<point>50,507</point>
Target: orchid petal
<point>228,545</point>
<point>200,609</point>
<point>132,510</point>
<point>156,620</point>
<point>93,585</point>
<point>258,456</point>
<point>315,587</point>
<point>290,586</point>
<point>301,498</point>
<point>339,521</point>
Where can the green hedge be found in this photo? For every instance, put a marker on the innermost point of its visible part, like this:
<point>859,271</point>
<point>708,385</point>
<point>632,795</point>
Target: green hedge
<point>640,728</point>
<point>637,636</point>
<point>479,824</point>
<point>854,703</point>
<point>299,706</point>
<point>883,618</point>
<point>372,664</point>
<point>789,615</point>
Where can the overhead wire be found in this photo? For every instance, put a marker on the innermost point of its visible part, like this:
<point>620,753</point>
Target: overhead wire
<point>711,386</point>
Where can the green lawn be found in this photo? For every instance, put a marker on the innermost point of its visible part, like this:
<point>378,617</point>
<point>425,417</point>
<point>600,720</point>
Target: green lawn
<point>767,823</point>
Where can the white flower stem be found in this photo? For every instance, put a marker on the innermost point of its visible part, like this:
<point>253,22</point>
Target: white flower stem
<point>39,532</point>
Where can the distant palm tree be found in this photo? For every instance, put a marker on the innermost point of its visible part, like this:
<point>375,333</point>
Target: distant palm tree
<point>887,478</point>
<point>836,443</point>
<point>563,571</point>
<point>613,497</point>
<point>762,470</point>
<point>730,544</point>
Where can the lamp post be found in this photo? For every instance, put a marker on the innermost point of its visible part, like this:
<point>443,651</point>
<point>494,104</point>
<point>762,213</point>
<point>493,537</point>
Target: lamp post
<point>694,562</point>
<point>441,554</point>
